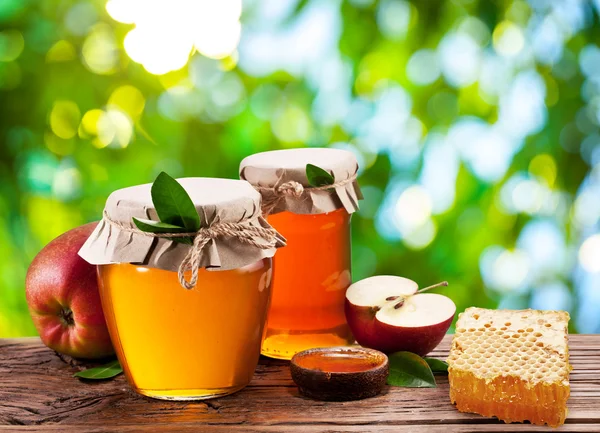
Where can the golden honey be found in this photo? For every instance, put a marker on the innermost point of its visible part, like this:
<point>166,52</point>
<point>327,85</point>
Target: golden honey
<point>513,365</point>
<point>311,275</point>
<point>338,362</point>
<point>183,344</point>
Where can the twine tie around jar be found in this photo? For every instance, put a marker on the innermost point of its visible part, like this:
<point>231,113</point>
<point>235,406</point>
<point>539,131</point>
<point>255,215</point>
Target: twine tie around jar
<point>273,195</point>
<point>259,237</point>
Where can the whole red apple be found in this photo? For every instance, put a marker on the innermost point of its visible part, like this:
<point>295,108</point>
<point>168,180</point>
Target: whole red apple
<point>63,298</point>
<point>390,314</point>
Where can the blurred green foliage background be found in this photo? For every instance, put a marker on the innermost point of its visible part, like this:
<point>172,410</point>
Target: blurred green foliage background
<point>476,124</point>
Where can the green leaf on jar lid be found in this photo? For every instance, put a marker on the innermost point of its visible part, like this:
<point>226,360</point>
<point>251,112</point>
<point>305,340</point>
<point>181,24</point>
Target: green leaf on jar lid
<point>106,371</point>
<point>409,370</point>
<point>173,204</point>
<point>316,176</point>
<point>175,209</point>
<point>157,226</point>
<point>160,227</point>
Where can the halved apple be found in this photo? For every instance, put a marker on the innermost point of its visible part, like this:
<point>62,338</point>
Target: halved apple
<point>391,314</point>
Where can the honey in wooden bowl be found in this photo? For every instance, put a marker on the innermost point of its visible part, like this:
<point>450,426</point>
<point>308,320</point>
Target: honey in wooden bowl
<point>340,373</point>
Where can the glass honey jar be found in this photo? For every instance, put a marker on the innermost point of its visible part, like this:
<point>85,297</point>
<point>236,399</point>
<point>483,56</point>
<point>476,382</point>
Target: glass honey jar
<point>314,270</point>
<point>176,343</point>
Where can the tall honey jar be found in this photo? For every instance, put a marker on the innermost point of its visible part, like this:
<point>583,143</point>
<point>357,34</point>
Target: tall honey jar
<point>312,273</point>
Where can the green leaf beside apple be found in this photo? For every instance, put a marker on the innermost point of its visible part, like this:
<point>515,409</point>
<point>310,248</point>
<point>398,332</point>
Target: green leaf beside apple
<point>106,371</point>
<point>409,370</point>
<point>436,365</point>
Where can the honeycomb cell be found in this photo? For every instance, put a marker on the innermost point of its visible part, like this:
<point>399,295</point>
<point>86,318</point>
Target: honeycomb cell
<point>521,354</point>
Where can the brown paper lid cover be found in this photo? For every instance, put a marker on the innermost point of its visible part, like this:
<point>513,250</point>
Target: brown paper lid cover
<point>216,200</point>
<point>268,170</point>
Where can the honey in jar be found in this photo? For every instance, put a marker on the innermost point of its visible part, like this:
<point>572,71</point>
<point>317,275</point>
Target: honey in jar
<point>172,342</point>
<point>312,273</point>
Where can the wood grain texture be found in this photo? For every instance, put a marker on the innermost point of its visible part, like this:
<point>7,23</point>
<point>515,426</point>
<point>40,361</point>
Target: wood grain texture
<point>38,393</point>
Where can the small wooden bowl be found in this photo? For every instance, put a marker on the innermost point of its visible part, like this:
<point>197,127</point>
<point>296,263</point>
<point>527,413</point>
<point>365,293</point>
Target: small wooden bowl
<point>340,373</point>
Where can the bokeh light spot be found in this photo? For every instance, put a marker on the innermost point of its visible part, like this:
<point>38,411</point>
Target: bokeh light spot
<point>62,51</point>
<point>64,119</point>
<point>11,45</point>
<point>129,100</point>
<point>58,145</point>
<point>552,296</point>
<point>155,52</point>
<point>394,18</point>
<point>89,123</point>
<point>586,212</point>
<point>589,60</point>
<point>423,67</point>
<point>460,58</point>
<point>80,17</point>
<point>543,166</point>
<point>218,40</point>
<point>508,39</point>
<point>115,129</point>
<point>504,270</point>
<point>67,182</point>
<point>99,50</point>
<point>414,206</point>
<point>291,125</point>
<point>421,236</point>
<point>166,33</point>
<point>475,28</point>
<point>527,196</point>
<point>37,170</point>
<point>123,11</point>
<point>589,254</point>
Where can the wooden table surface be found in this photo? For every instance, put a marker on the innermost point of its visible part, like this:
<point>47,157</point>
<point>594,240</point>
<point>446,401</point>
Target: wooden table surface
<point>38,393</point>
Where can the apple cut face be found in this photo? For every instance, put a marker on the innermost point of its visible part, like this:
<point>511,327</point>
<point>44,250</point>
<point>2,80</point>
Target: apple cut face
<point>423,309</point>
<point>386,313</point>
<point>375,291</point>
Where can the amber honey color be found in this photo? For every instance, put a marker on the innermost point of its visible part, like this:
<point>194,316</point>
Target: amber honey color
<point>338,362</point>
<point>311,275</point>
<point>183,344</point>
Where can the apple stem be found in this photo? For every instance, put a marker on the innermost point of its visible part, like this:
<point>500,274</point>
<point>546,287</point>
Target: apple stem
<point>443,283</point>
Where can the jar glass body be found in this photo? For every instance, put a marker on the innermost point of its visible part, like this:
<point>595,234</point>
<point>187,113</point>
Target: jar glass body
<point>311,275</point>
<point>180,344</point>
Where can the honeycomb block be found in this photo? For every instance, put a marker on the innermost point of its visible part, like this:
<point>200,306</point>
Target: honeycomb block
<point>511,364</point>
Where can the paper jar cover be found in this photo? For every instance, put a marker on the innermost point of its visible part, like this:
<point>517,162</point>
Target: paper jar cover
<point>216,200</point>
<point>268,170</point>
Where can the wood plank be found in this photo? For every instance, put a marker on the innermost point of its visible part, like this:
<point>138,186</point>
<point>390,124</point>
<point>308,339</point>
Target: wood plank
<point>424,428</point>
<point>37,393</point>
